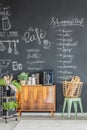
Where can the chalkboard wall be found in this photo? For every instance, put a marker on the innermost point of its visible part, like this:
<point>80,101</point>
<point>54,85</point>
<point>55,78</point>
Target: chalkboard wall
<point>37,35</point>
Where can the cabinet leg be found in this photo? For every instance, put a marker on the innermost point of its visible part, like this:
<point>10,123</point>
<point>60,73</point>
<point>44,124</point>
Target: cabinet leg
<point>6,121</point>
<point>52,114</point>
<point>16,119</point>
<point>19,113</point>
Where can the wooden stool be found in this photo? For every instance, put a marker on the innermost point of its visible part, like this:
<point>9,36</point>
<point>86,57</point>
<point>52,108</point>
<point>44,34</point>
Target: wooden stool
<point>69,102</point>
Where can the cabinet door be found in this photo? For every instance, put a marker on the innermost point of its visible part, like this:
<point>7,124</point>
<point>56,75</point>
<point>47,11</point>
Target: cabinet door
<point>49,98</point>
<point>35,98</point>
<point>25,98</point>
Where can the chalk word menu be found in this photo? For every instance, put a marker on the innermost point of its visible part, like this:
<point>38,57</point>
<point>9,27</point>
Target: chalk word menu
<point>34,59</point>
<point>66,44</point>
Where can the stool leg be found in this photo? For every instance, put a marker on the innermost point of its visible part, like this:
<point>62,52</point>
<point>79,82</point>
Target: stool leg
<point>75,107</point>
<point>80,104</point>
<point>64,105</point>
<point>69,103</point>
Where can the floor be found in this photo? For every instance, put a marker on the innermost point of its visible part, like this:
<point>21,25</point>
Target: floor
<point>63,122</point>
<point>51,125</point>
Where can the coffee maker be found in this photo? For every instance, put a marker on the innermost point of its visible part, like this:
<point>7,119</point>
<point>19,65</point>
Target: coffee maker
<point>48,77</point>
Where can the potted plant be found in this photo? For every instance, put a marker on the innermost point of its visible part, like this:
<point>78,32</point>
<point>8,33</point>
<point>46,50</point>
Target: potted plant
<point>9,108</point>
<point>23,77</point>
<point>7,81</point>
<point>10,105</point>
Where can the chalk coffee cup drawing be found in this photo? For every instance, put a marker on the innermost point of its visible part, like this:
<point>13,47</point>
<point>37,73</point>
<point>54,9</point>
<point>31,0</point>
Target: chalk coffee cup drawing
<point>46,44</point>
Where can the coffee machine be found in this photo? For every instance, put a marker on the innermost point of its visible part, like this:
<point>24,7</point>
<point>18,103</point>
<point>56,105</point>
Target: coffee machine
<point>48,77</point>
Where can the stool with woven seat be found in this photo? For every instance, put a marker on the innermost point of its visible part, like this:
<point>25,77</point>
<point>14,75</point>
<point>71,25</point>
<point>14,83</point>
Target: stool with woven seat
<point>72,91</point>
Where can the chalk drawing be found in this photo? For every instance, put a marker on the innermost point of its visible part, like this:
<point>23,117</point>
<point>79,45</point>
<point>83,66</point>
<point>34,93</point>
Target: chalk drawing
<point>6,25</point>
<point>34,34</point>
<point>2,46</point>
<point>16,66</point>
<point>47,44</point>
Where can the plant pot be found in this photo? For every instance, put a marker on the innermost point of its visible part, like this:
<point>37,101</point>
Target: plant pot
<point>9,112</point>
<point>23,82</point>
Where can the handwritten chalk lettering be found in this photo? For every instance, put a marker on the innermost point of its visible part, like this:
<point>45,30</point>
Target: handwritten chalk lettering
<point>35,62</point>
<point>64,23</point>
<point>66,50</point>
<point>33,50</point>
<point>60,61</point>
<point>65,40</point>
<point>68,56</point>
<point>67,77</point>
<point>9,34</point>
<point>2,34</point>
<point>34,68</point>
<point>16,66</point>
<point>69,66</point>
<point>60,77</point>
<point>4,10</point>
<point>60,66</point>
<point>65,72</point>
<point>65,61</point>
<point>59,49</point>
<point>64,35</point>
<point>7,41</point>
<point>33,55</point>
<point>37,34</point>
<point>65,30</point>
<point>68,44</point>
<point>60,71</point>
<point>59,55</point>
<point>34,35</point>
<point>4,63</point>
<point>73,44</point>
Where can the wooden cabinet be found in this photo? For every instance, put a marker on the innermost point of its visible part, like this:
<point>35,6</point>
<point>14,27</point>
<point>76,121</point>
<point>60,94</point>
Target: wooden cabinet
<point>37,98</point>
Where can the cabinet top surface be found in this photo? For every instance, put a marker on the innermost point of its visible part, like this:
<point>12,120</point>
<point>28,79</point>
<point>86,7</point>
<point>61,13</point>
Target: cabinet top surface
<point>38,85</point>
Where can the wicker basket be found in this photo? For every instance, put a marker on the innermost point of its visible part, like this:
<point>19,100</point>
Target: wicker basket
<point>72,88</point>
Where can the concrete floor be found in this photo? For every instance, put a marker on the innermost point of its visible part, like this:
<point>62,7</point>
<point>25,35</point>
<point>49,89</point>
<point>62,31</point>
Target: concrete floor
<point>62,121</point>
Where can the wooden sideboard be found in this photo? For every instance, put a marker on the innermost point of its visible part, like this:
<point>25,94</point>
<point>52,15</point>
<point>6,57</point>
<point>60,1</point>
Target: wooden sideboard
<point>37,98</point>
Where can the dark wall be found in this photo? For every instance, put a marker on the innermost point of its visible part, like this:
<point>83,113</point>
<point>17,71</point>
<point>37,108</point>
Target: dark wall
<point>37,35</point>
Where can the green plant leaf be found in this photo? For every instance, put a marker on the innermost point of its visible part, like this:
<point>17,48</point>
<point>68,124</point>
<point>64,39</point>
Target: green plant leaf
<point>10,105</point>
<point>23,76</point>
<point>17,84</point>
<point>2,82</point>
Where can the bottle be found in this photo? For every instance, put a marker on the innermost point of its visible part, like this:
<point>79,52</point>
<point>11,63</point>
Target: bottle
<point>33,79</point>
<point>37,78</point>
<point>29,80</point>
